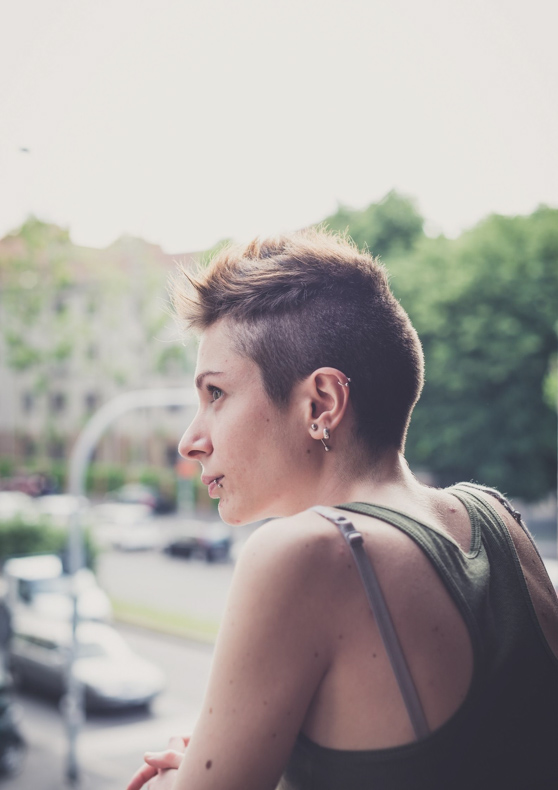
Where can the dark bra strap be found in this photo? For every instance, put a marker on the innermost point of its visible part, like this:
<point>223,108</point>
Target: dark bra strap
<point>379,608</point>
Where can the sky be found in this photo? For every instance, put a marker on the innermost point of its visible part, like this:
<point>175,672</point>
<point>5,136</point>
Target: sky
<point>185,122</point>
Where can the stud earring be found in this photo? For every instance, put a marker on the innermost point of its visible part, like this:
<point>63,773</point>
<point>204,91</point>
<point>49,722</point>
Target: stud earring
<point>346,384</point>
<point>314,426</point>
<point>326,436</point>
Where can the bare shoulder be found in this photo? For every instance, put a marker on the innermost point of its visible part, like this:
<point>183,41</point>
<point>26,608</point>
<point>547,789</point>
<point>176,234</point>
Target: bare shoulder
<point>303,543</point>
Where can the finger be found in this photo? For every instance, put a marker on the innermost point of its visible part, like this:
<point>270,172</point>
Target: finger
<point>142,775</point>
<point>163,781</point>
<point>163,760</point>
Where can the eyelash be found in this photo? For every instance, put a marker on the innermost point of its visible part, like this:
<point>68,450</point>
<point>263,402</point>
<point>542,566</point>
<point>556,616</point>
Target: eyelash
<point>212,390</point>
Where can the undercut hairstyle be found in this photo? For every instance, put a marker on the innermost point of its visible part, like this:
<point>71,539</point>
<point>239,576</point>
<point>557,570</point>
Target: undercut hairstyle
<point>308,300</point>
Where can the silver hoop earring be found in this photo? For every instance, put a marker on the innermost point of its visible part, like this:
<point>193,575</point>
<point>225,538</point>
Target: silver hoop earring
<point>346,384</point>
<point>314,426</point>
<point>326,436</point>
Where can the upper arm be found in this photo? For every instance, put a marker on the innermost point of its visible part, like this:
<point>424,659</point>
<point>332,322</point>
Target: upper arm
<point>270,657</point>
<point>539,586</point>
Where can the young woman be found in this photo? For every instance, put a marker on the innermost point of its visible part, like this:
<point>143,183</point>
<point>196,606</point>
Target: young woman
<point>396,635</point>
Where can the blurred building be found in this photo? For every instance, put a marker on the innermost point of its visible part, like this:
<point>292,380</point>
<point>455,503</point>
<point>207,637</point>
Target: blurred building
<point>77,327</point>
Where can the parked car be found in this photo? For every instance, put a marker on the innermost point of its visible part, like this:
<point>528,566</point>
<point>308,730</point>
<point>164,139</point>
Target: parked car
<point>59,508</point>
<point>12,743</point>
<point>140,494</point>
<point>210,542</point>
<point>113,676</point>
<point>130,527</point>
<point>39,584</point>
<point>135,494</point>
<point>16,504</point>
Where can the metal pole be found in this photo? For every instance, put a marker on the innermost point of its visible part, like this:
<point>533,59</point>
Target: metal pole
<point>72,704</point>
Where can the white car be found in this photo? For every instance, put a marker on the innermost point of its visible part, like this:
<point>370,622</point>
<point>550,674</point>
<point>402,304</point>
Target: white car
<point>126,526</point>
<point>59,508</point>
<point>14,504</point>
<point>38,583</point>
<point>113,676</point>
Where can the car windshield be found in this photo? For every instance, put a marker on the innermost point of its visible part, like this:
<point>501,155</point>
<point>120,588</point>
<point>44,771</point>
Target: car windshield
<point>103,642</point>
<point>91,650</point>
<point>56,585</point>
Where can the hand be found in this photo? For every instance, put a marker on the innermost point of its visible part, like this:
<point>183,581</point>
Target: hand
<point>160,767</point>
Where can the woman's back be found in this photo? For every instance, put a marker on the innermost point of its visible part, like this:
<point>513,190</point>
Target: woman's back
<point>463,618</point>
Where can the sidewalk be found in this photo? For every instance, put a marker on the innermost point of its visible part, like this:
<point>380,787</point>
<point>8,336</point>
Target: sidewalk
<point>107,757</point>
<point>44,770</point>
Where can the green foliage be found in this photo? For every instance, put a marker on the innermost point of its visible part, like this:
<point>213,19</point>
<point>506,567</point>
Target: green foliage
<point>550,384</point>
<point>39,235</point>
<point>484,307</point>
<point>386,228</point>
<point>102,478</point>
<point>163,480</point>
<point>7,466</point>
<point>20,355</point>
<point>172,360</point>
<point>20,537</point>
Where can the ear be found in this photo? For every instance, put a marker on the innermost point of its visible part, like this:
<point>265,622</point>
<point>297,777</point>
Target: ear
<point>327,392</point>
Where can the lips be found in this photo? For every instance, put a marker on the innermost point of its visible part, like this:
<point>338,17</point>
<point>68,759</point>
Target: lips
<point>214,489</point>
<point>208,479</point>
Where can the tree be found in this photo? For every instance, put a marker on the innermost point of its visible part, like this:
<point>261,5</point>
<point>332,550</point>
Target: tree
<point>484,307</point>
<point>387,228</point>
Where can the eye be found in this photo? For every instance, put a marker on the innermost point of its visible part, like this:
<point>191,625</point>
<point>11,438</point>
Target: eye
<point>214,392</point>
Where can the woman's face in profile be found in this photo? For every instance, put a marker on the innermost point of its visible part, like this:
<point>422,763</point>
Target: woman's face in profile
<point>253,455</point>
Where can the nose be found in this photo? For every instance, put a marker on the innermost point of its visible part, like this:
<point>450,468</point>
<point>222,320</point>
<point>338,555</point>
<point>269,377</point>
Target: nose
<point>195,443</point>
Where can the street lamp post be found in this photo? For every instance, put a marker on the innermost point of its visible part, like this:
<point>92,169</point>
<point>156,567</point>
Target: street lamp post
<point>80,457</point>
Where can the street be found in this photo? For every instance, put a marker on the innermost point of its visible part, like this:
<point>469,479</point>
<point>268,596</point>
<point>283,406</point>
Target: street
<point>111,744</point>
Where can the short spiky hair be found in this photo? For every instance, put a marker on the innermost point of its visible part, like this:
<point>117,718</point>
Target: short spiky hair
<point>308,300</point>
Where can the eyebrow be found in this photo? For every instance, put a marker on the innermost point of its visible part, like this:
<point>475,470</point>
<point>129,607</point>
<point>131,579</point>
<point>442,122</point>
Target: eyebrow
<point>201,376</point>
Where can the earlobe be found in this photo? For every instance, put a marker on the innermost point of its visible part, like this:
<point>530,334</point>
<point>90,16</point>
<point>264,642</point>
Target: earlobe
<point>328,395</point>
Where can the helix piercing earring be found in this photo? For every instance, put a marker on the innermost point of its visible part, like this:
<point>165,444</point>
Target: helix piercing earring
<point>326,436</point>
<point>346,384</point>
<point>314,426</point>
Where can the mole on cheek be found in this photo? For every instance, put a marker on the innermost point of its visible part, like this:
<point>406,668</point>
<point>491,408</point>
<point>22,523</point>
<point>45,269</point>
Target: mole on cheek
<point>208,764</point>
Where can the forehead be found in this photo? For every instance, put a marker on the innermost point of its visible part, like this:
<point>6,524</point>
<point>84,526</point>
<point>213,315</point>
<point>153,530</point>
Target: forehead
<point>217,352</point>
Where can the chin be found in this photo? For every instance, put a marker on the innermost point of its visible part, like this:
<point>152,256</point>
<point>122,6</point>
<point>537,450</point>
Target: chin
<point>240,517</point>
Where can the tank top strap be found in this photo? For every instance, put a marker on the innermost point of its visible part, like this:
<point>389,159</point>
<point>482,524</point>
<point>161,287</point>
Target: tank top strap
<point>378,605</point>
<point>460,571</point>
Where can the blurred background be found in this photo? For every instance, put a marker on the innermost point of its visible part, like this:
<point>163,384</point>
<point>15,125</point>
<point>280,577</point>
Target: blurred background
<point>135,134</point>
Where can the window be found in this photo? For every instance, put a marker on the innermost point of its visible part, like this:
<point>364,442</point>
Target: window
<point>57,402</point>
<point>56,449</point>
<point>91,402</point>
<point>59,304</point>
<point>29,447</point>
<point>27,402</point>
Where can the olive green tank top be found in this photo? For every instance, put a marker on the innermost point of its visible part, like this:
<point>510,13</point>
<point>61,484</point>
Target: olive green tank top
<point>505,734</point>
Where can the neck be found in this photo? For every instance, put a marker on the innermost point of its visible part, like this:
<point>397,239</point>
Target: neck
<point>383,482</point>
<point>376,482</point>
